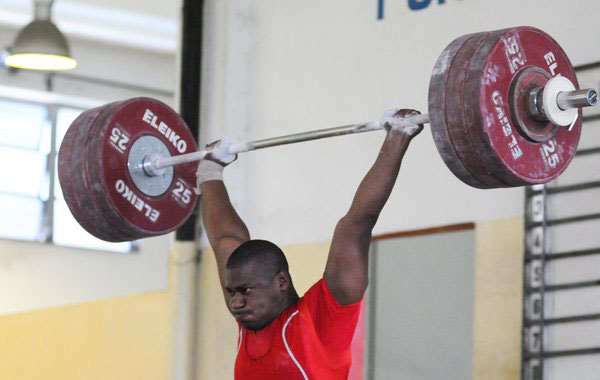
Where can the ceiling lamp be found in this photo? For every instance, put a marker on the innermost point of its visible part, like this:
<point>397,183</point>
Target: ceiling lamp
<point>40,45</point>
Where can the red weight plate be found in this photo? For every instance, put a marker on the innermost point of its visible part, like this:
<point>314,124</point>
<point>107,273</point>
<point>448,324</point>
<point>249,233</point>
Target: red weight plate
<point>513,157</point>
<point>98,199</point>
<point>130,120</point>
<point>90,181</point>
<point>437,112</point>
<point>460,135</point>
<point>67,172</point>
<point>94,181</point>
<point>70,173</point>
<point>475,76</point>
<point>81,182</point>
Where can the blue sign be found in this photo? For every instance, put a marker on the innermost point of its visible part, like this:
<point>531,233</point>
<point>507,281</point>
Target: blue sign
<point>413,5</point>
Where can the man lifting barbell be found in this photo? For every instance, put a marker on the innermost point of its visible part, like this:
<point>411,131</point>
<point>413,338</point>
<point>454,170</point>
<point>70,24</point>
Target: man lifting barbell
<point>282,335</point>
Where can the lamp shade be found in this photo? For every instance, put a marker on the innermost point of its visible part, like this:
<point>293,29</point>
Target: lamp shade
<point>40,46</point>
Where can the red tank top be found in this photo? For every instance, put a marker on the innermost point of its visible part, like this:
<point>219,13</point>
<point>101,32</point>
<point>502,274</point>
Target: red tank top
<point>309,340</point>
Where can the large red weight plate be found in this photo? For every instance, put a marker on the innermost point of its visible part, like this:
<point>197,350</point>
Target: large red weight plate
<point>68,171</point>
<point>474,77</point>
<point>83,183</point>
<point>93,184</point>
<point>495,66</point>
<point>71,173</point>
<point>461,136</point>
<point>114,132</point>
<point>438,113</point>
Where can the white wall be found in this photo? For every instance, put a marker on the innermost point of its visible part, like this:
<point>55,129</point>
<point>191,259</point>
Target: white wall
<point>274,68</point>
<point>34,275</point>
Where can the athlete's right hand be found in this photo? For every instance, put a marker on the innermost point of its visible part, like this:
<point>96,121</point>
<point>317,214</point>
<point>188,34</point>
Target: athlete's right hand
<point>219,152</point>
<point>393,122</point>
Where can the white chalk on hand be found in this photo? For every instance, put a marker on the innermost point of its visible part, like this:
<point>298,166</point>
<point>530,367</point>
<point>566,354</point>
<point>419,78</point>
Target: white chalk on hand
<point>399,123</point>
<point>221,153</point>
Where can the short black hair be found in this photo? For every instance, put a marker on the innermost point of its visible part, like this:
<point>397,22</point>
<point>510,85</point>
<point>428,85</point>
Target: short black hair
<point>268,257</point>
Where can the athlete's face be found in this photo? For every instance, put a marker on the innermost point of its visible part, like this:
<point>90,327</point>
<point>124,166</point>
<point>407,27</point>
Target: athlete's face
<point>254,298</point>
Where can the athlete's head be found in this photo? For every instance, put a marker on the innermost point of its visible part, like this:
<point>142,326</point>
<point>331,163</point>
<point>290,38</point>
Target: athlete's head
<point>258,284</point>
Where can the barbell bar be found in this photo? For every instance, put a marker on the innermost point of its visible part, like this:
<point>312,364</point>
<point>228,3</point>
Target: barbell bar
<point>162,162</point>
<point>504,110</point>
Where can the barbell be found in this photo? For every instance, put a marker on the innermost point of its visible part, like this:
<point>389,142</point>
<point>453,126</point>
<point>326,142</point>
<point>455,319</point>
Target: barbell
<point>504,109</point>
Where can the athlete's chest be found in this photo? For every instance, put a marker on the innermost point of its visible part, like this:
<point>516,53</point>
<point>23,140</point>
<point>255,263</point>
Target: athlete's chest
<point>279,352</point>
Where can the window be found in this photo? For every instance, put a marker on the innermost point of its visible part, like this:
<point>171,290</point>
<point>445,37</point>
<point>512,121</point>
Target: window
<point>31,200</point>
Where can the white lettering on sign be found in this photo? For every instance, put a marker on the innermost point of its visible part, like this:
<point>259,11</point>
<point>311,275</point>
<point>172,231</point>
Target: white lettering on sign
<point>182,193</point>
<point>549,154</point>
<point>118,139</point>
<point>507,129</point>
<point>514,53</point>
<point>551,62</point>
<point>136,202</point>
<point>179,143</point>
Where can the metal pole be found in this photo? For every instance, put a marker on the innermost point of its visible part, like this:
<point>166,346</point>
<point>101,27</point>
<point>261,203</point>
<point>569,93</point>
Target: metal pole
<point>162,162</point>
<point>192,21</point>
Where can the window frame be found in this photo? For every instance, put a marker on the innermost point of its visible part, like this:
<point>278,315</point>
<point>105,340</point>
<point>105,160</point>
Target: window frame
<point>53,102</point>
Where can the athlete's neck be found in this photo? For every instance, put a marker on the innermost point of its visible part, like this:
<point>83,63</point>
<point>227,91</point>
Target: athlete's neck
<point>290,299</point>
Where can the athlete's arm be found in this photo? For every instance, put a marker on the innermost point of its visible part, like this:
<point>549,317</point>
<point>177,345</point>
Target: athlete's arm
<point>346,272</point>
<point>225,229</point>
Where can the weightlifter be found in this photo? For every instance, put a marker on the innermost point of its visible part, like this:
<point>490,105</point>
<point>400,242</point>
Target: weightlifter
<point>282,335</point>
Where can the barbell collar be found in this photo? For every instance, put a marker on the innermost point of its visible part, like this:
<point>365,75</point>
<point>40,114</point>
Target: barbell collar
<point>565,100</point>
<point>586,97</point>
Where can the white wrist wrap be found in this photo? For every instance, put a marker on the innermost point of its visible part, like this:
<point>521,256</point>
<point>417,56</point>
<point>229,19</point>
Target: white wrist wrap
<point>208,171</point>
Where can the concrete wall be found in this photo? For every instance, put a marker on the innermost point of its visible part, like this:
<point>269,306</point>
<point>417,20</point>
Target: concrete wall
<point>498,299</point>
<point>120,338</point>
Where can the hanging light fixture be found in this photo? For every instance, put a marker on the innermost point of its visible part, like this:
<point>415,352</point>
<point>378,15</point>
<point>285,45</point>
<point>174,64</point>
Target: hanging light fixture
<point>40,45</point>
